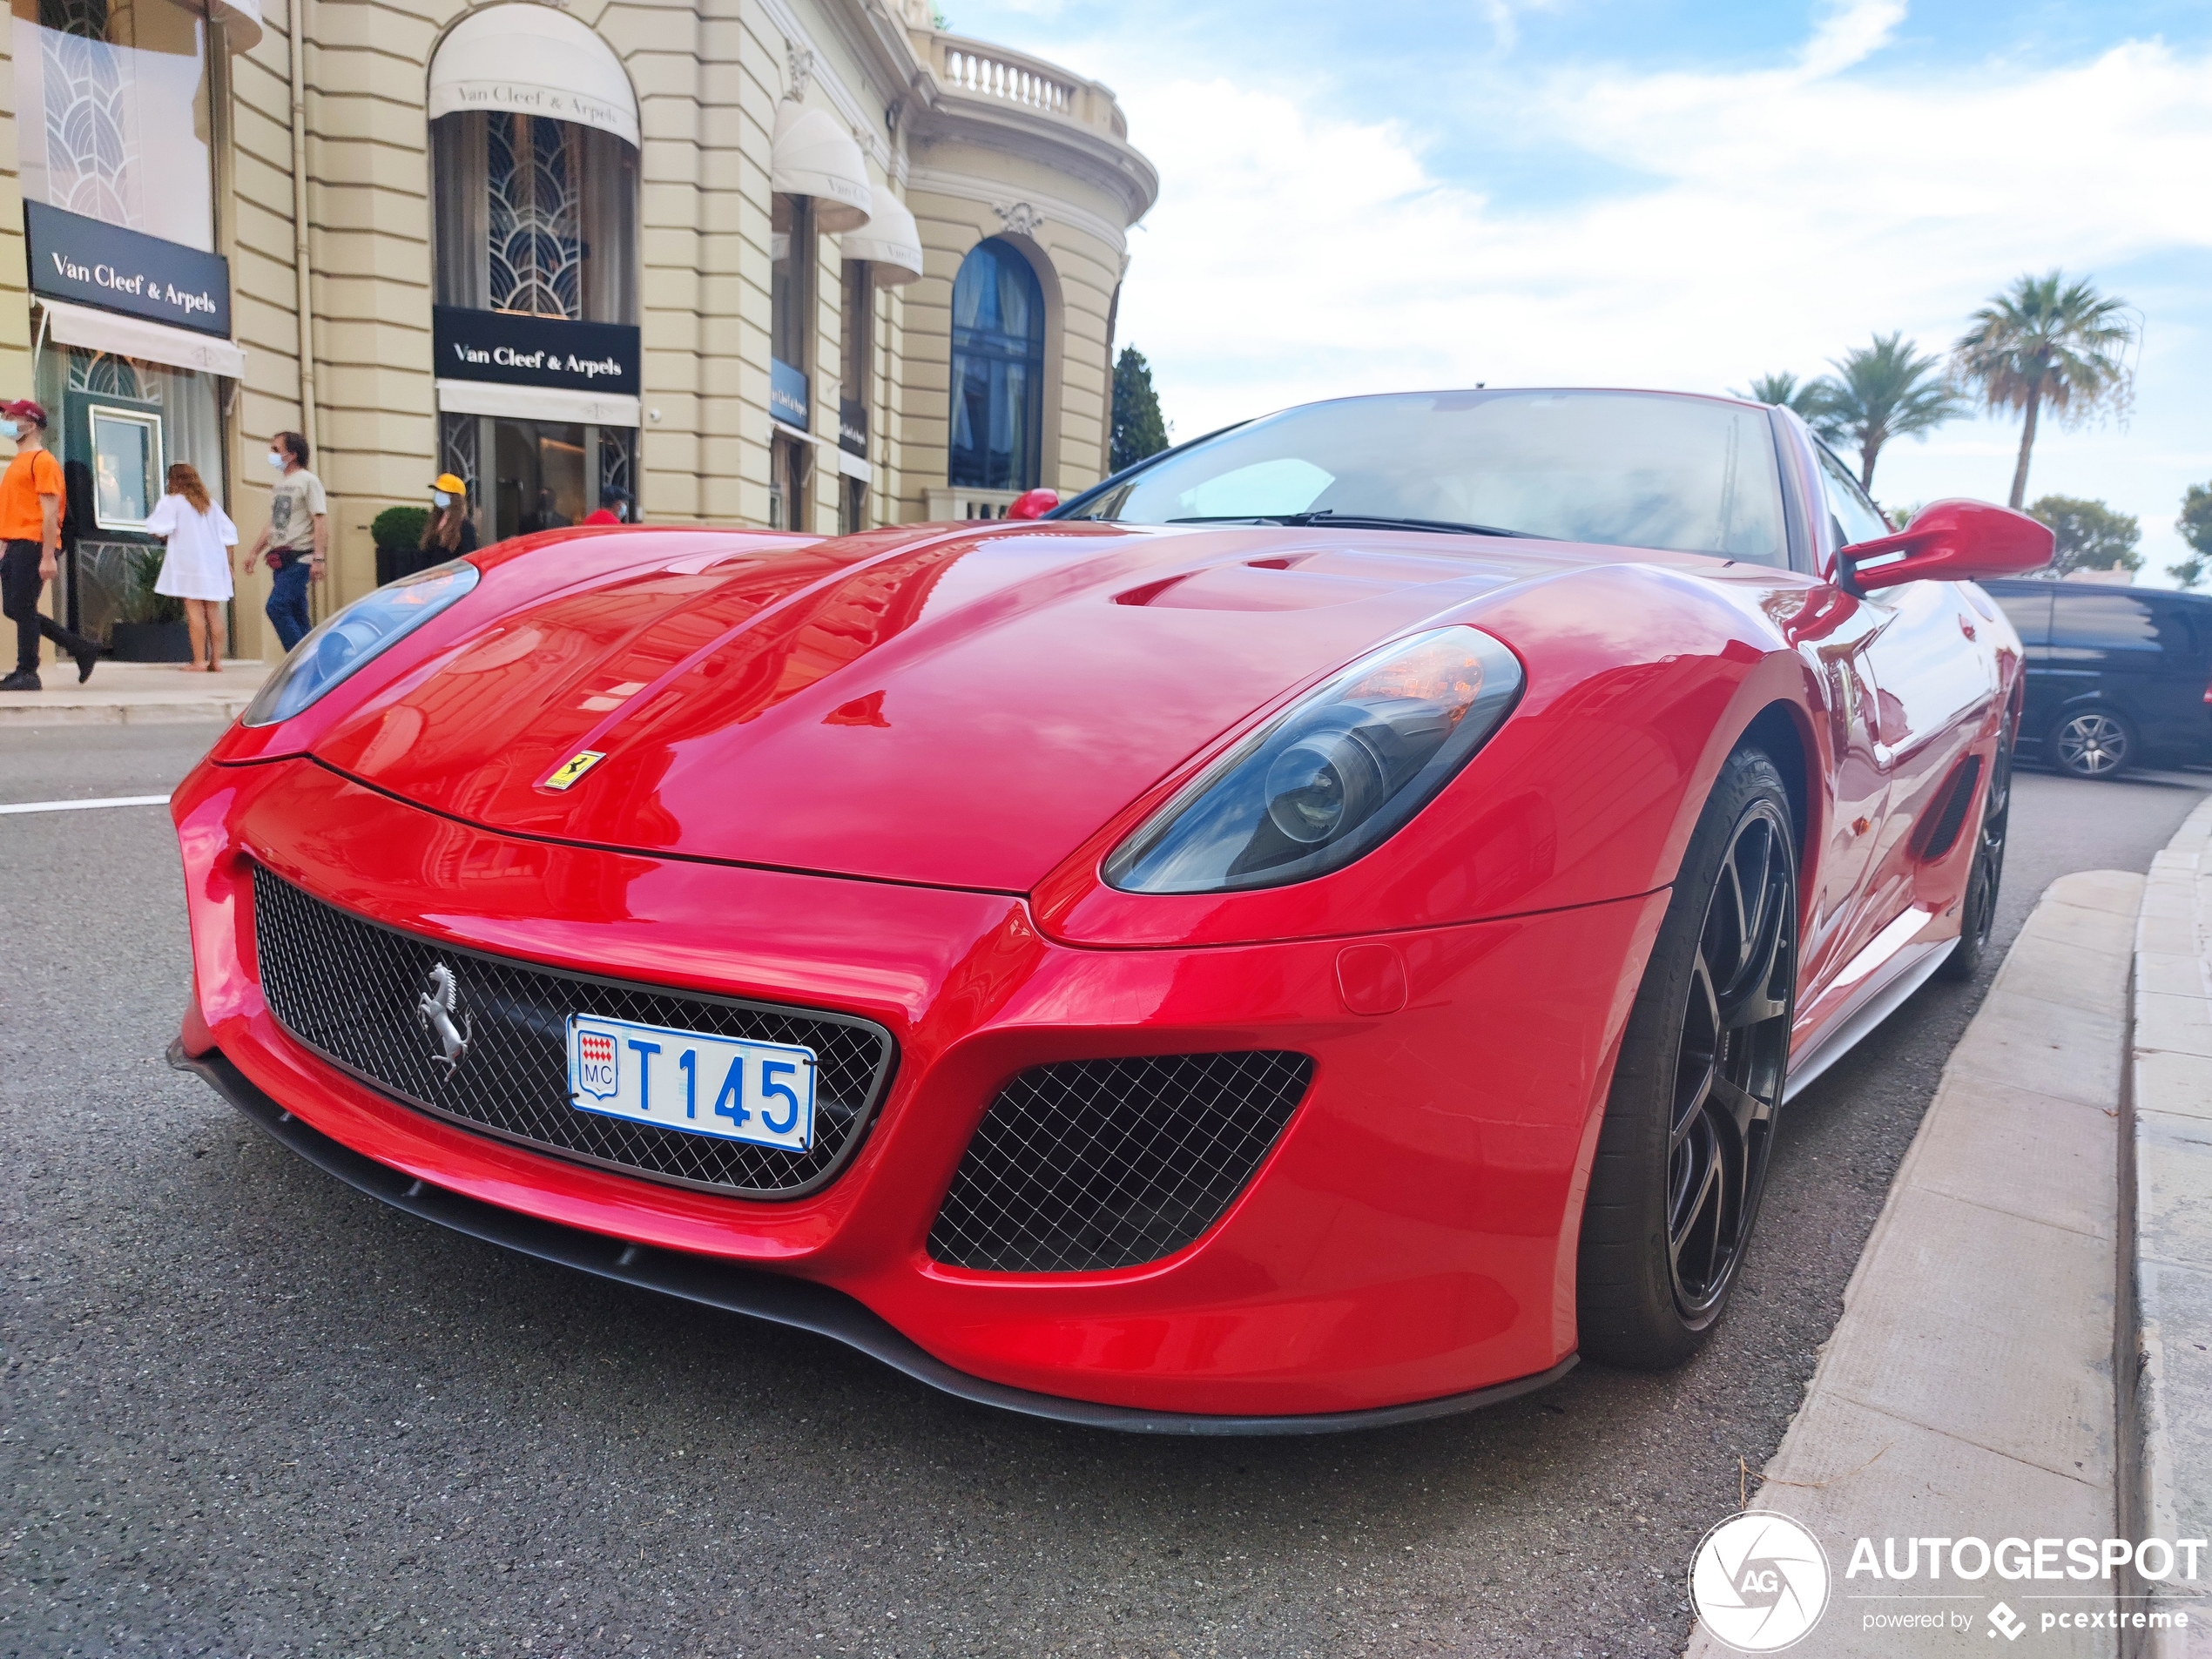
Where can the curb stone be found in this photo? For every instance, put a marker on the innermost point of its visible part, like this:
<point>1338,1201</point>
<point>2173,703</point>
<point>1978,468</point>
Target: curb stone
<point>2166,1373</point>
<point>135,694</point>
<point>1960,1396</point>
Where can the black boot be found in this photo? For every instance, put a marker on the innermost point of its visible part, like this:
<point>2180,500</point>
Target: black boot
<point>87,656</point>
<point>24,679</point>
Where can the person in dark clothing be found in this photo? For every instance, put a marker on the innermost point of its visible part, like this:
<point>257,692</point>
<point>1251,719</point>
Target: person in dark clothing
<point>450,532</point>
<point>31,494</point>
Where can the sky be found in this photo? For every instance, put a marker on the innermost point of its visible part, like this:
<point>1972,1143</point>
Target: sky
<point>1677,193</point>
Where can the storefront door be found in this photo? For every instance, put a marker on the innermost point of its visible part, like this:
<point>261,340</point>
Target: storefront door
<point>538,475</point>
<point>113,466</point>
<point>527,475</point>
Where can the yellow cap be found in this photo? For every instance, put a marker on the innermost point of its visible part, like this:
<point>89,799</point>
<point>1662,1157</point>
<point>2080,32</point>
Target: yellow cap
<point>451,485</point>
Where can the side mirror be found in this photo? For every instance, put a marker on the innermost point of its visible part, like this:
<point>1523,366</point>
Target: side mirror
<point>1951,541</point>
<point>1033,503</point>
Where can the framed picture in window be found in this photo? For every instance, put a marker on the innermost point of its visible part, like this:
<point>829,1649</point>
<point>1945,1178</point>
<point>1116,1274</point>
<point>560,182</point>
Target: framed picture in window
<point>126,467</point>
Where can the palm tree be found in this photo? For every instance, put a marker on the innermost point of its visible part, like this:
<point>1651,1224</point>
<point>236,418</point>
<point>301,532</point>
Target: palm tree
<point>2047,341</point>
<point>1883,391</point>
<point>1808,399</point>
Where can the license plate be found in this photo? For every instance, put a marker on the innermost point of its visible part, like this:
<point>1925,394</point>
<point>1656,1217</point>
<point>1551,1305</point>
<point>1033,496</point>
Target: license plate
<point>761,1092</point>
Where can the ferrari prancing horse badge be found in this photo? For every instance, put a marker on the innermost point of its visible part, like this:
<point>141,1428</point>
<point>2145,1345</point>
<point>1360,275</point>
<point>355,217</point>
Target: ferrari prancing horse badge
<point>574,767</point>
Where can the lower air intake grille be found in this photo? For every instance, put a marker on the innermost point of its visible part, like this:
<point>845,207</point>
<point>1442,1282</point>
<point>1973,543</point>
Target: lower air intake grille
<point>1100,1163</point>
<point>349,988</point>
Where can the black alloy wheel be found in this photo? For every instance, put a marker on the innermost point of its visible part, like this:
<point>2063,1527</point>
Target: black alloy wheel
<point>2093,742</point>
<point>1683,1155</point>
<point>1979,915</point>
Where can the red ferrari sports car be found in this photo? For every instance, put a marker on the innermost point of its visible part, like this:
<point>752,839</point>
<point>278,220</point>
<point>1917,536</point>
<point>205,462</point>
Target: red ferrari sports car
<point>1313,931</point>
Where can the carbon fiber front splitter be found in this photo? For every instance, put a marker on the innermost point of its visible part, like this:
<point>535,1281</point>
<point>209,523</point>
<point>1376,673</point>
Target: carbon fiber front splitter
<point>774,1297</point>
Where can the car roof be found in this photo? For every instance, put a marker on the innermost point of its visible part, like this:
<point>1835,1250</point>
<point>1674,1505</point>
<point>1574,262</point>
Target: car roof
<point>1469,391</point>
<point>2024,585</point>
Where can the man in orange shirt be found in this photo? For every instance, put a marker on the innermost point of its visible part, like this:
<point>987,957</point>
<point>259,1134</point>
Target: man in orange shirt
<point>30,524</point>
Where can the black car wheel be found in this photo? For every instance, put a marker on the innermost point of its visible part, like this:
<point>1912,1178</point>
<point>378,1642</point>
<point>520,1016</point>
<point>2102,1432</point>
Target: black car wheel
<point>1979,912</point>
<point>1681,1157</point>
<point>2093,742</point>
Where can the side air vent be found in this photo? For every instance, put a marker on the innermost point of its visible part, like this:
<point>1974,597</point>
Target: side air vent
<point>1101,1163</point>
<point>1951,816</point>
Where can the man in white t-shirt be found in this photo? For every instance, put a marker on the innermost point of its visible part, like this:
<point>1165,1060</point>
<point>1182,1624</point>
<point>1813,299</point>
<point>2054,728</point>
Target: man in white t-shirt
<point>296,539</point>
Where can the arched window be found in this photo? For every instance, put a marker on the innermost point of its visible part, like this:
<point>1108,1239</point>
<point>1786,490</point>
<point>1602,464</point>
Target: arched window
<point>998,371</point>
<point>535,216</point>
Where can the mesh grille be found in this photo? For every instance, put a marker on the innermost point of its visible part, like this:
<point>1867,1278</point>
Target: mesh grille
<point>347,987</point>
<point>1099,1163</point>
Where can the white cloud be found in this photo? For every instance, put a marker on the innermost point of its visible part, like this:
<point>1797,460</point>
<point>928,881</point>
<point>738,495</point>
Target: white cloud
<point>1773,217</point>
<point>1851,33</point>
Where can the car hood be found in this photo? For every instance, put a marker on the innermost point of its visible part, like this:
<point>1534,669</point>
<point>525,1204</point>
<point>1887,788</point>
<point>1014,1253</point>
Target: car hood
<point>959,706</point>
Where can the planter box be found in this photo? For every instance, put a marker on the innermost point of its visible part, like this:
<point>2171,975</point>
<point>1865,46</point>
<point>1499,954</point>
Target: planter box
<point>151,642</point>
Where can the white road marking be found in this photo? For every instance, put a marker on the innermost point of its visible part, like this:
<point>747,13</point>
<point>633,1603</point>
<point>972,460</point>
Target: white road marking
<point>86,806</point>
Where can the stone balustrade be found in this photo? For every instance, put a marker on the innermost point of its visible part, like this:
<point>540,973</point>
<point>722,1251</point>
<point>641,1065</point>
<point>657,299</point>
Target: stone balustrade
<point>994,73</point>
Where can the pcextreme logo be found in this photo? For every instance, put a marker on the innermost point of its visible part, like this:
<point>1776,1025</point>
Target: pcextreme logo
<point>1759,1583</point>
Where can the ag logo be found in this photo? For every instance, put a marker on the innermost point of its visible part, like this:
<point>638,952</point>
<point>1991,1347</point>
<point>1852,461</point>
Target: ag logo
<point>1759,1583</point>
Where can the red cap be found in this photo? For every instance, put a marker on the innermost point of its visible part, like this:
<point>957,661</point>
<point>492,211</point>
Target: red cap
<point>23,409</point>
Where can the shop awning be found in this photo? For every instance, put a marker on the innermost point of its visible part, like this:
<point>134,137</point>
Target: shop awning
<point>152,342</point>
<point>536,403</point>
<point>890,242</point>
<point>531,59</point>
<point>242,19</point>
<point>813,156</point>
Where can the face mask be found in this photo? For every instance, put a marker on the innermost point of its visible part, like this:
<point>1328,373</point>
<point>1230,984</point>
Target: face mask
<point>276,461</point>
<point>439,498</point>
<point>10,429</point>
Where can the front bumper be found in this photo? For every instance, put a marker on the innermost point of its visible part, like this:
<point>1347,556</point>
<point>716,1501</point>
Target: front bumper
<point>775,1297</point>
<point>1406,1250</point>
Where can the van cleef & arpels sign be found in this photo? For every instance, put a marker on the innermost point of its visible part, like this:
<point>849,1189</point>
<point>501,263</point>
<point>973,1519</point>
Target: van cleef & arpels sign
<point>93,263</point>
<point>510,350</point>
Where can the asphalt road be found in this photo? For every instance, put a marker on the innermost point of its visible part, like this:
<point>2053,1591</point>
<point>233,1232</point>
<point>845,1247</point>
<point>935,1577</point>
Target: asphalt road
<point>247,1411</point>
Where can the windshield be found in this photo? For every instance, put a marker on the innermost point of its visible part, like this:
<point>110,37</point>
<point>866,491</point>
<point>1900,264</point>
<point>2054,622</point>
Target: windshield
<point>1625,468</point>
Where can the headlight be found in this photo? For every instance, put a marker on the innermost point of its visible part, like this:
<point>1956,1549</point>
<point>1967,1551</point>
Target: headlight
<point>355,634</point>
<point>1333,776</point>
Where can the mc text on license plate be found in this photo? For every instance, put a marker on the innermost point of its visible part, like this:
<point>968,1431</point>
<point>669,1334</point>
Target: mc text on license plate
<point>733,1091</point>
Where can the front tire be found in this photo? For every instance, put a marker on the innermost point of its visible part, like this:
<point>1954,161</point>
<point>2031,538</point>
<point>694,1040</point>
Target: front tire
<point>1681,1157</point>
<point>2094,743</point>
<point>1978,913</point>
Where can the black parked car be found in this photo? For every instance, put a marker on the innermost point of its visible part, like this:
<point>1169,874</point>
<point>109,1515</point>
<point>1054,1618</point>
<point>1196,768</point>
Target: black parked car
<point>2117,676</point>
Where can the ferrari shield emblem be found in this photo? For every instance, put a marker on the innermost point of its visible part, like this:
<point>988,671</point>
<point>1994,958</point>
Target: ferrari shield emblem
<point>574,767</point>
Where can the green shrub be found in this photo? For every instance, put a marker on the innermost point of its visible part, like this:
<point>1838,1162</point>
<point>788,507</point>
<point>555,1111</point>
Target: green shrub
<point>140,602</point>
<point>399,530</point>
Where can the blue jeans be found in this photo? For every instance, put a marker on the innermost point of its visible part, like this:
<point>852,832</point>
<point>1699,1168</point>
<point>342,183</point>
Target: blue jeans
<point>288,605</point>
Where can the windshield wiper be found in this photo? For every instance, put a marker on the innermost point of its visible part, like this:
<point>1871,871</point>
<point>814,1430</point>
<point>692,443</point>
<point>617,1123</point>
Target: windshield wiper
<point>1361,521</point>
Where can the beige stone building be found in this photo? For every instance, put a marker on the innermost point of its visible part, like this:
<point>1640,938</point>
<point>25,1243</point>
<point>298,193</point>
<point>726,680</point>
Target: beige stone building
<point>809,263</point>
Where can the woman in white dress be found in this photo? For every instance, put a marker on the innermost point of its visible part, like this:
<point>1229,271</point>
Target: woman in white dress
<point>197,567</point>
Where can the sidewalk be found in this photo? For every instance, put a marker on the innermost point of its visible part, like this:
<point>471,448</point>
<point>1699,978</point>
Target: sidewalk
<point>2054,1213</point>
<point>2167,1418</point>
<point>133,693</point>
<point>1968,1390</point>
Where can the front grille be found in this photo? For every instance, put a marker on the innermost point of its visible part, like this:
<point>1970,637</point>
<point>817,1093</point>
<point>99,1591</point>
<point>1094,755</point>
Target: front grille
<point>1100,1163</point>
<point>347,987</point>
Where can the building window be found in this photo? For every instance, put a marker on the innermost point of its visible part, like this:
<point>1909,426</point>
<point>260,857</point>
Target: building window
<point>791,273</point>
<point>998,371</point>
<point>856,327</point>
<point>534,217</point>
<point>111,114</point>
